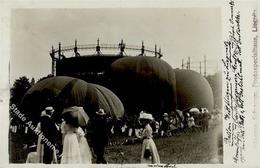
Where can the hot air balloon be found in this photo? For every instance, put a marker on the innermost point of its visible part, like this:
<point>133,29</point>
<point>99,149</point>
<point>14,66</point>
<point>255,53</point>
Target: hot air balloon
<point>144,83</point>
<point>193,90</point>
<point>61,92</point>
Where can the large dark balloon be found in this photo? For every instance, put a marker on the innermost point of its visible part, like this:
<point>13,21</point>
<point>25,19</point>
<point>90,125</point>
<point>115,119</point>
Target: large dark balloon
<point>62,92</point>
<point>193,90</point>
<point>144,83</point>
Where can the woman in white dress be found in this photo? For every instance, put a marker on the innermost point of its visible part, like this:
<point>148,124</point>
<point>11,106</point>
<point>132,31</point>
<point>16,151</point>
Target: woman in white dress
<point>75,146</point>
<point>149,151</point>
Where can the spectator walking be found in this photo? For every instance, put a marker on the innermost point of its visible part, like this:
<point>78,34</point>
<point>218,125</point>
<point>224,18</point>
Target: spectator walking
<point>149,151</point>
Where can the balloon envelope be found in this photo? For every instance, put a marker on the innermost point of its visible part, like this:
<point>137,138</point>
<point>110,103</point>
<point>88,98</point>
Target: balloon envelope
<point>144,83</point>
<point>61,92</point>
<point>193,90</point>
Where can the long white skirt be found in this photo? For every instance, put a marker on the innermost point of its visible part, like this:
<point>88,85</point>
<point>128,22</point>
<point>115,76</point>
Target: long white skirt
<point>85,152</point>
<point>74,150</point>
<point>149,144</point>
<point>39,151</point>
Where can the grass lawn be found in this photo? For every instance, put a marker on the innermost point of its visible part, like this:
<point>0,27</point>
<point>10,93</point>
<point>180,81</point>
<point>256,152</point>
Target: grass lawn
<point>198,147</point>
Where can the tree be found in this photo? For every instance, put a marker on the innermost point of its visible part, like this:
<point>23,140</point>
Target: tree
<point>18,90</point>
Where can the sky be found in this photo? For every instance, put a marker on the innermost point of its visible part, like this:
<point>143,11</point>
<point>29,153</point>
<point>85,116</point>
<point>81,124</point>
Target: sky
<point>180,32</point>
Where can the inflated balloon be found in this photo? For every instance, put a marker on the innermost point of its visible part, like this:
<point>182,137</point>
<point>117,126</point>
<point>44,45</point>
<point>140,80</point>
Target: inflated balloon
<point>144,83</point>
<point>193,90</point>
<point>61,92</point>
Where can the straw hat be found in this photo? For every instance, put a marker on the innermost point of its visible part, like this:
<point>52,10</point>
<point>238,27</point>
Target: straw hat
<point>49,110</point>
<point>146,116</point>
<point>194,110</point>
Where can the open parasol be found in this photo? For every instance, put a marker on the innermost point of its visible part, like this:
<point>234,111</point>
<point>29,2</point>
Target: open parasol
<point>77,113</point>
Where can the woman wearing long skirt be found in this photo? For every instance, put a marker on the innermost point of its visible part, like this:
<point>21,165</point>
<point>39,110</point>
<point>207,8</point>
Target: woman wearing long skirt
<point>85,152</point>
<point>75,146</point>
<point>149,151</point>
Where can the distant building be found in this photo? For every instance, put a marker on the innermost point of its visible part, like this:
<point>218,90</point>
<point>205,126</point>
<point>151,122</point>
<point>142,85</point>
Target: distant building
<point>94,65</point>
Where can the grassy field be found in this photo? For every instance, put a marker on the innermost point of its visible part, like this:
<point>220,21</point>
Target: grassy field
<point>194,147</point>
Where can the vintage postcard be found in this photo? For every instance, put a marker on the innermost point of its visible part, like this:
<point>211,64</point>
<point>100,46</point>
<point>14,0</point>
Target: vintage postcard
<point>129,83</point>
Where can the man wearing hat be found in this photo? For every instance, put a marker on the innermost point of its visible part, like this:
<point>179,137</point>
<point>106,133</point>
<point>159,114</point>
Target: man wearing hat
<point>50,132</point>
<point>101,129</point>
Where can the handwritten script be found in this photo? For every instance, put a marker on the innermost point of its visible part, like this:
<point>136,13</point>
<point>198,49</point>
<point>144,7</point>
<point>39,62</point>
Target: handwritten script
<point>163,165</point>
<point>234,113</point>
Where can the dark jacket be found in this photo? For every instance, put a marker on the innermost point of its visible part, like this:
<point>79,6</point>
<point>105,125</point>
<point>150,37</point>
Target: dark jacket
<point>48,128</point>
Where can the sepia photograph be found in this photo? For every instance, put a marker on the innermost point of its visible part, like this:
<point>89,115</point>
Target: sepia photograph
<point>116,86</point>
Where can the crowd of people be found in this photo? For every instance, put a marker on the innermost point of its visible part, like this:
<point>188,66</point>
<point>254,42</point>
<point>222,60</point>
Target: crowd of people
<point>73,147</point>
<point>172,124</point>
<point>74,144</point>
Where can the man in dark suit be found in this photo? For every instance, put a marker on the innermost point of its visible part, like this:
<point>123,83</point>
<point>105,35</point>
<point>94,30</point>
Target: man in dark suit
<point>100,135</point>
<point>50,131</point>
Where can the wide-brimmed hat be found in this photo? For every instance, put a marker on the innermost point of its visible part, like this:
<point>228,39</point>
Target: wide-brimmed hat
<point>194,110</point>
<point>101,112</point>
<point>146,116</point>
<point>49,110</point>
